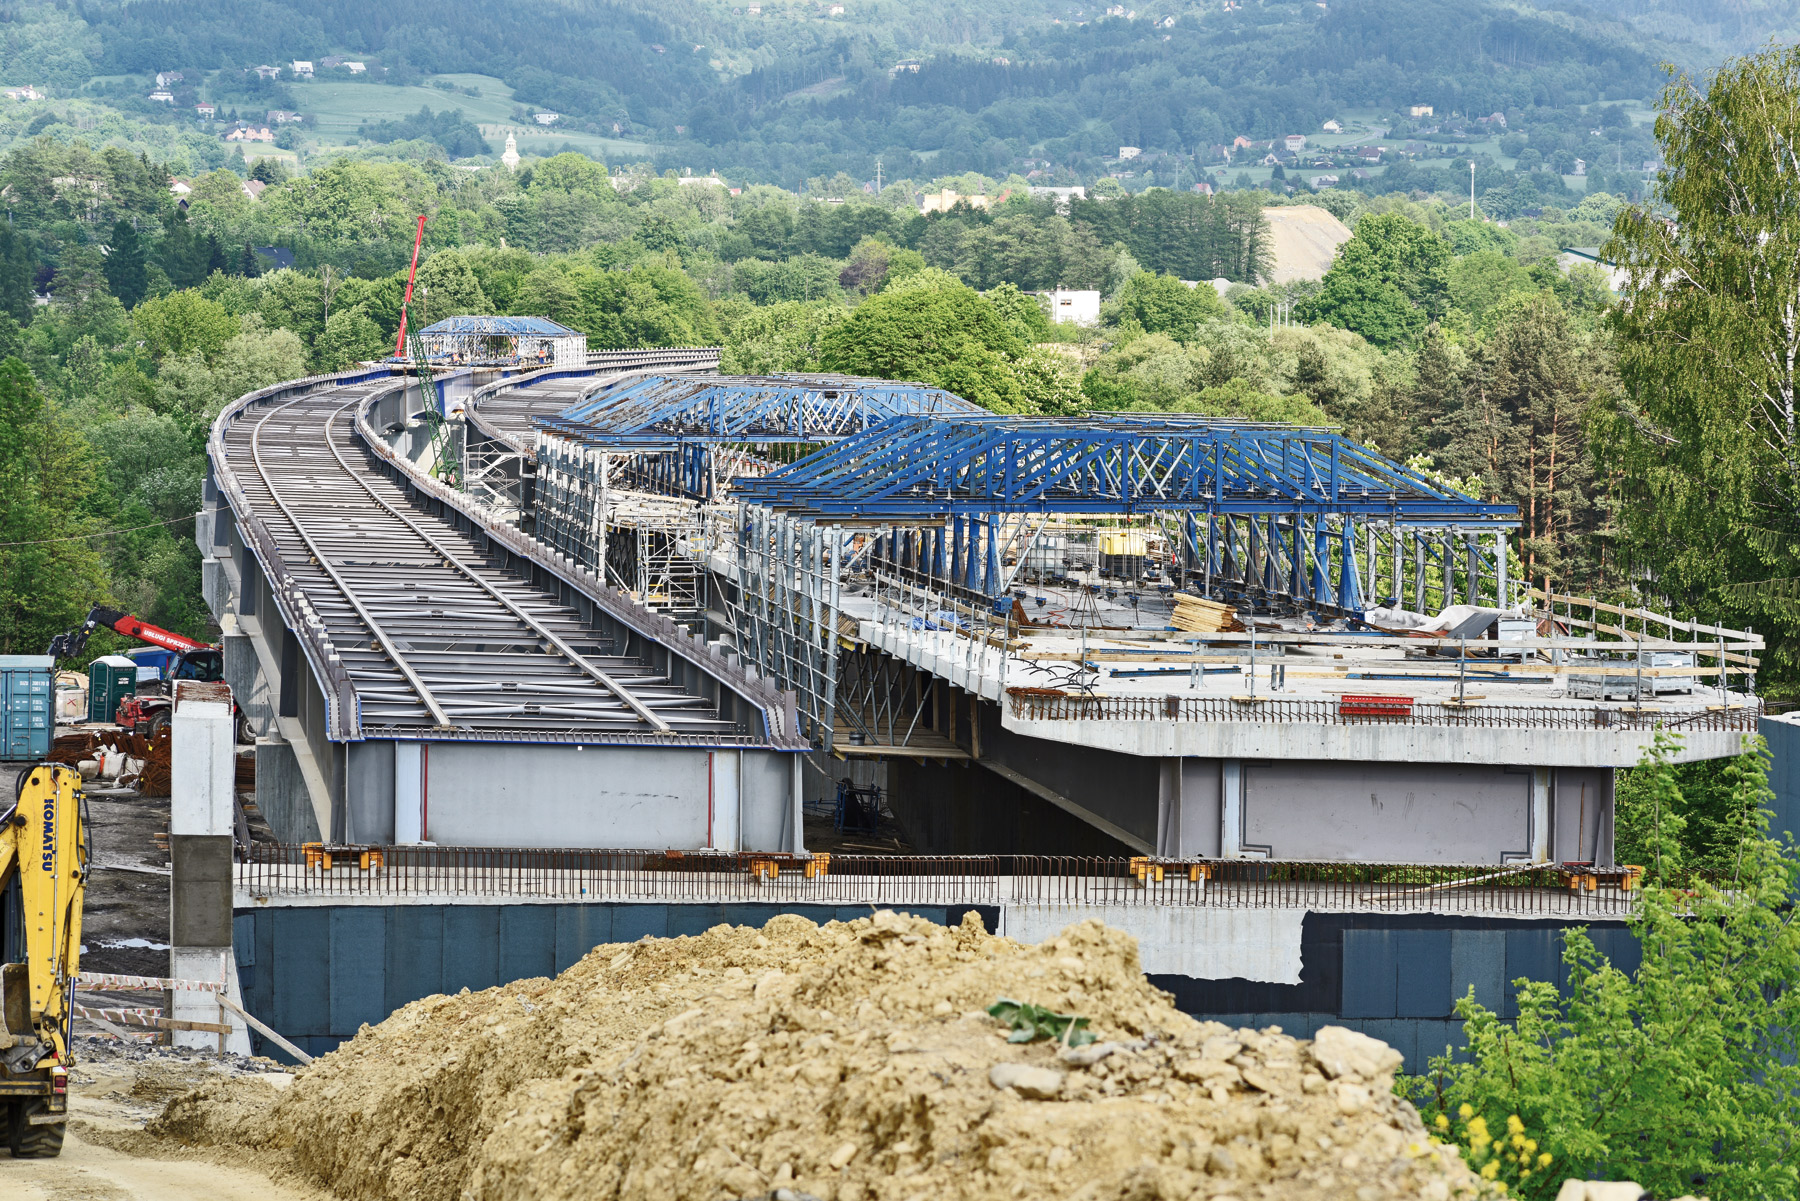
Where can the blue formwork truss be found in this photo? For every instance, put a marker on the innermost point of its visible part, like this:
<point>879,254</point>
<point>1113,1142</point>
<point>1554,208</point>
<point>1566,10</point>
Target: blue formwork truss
<point>654,412</point>
<point>922,468</point>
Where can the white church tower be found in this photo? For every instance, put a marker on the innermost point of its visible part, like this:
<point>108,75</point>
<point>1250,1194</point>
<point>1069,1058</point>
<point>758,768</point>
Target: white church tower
<point>511,157</point>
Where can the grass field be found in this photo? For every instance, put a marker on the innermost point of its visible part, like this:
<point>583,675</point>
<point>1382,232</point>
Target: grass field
<point>340,107</point>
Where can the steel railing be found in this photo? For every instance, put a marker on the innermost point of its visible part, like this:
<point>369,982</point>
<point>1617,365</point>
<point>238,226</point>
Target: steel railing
<point>1032,704</point>
<point>272,871</point>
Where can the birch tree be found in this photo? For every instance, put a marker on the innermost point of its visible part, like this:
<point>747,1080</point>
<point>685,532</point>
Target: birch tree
<point>1707,439</point>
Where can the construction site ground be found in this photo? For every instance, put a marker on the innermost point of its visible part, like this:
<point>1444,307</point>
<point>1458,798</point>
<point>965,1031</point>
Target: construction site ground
<point>115,1089</point>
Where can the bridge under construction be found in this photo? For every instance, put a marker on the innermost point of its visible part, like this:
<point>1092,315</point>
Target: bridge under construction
<point>573,648</point>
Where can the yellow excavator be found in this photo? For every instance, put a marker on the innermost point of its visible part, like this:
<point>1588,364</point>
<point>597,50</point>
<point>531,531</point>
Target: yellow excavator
<point>43,874</point>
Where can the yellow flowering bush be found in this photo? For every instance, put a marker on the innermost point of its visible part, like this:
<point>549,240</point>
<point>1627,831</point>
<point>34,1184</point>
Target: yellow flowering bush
<point>1511,1162</point>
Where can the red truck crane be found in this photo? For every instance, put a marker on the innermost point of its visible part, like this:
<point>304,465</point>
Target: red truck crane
<point>150,708</point>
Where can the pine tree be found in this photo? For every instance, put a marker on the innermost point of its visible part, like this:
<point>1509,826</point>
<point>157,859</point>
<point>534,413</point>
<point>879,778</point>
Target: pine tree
<point>126,272</point>
<point>248,266</point>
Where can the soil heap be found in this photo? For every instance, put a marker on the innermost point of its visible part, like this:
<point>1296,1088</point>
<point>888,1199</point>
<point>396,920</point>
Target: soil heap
<point>851,1062</point>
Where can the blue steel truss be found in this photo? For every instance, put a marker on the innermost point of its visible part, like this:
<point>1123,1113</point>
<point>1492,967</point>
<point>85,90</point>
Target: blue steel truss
<point>911,468</point>
<point>653,412</point>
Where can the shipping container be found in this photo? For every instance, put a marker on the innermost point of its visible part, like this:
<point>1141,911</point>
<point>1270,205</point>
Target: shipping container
<point>26,694</point>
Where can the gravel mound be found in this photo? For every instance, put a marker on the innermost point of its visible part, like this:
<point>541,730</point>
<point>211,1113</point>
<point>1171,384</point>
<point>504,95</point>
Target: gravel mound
<point>849,1062</point>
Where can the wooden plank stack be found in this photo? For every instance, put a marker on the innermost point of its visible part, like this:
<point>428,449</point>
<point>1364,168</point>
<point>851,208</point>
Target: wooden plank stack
<point>1197,615</point>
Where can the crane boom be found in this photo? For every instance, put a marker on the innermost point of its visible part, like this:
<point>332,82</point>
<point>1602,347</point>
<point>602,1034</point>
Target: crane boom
<point>72,643</point>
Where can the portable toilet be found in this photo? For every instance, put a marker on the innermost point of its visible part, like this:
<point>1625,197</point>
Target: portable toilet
<point>26,721</point>
<point>111,679</point>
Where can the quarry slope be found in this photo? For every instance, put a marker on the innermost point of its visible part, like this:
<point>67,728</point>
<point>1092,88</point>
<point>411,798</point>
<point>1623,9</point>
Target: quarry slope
<point>849,1061</point>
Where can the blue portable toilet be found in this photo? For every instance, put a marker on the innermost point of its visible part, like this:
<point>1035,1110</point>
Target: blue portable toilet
<point>27,699</point>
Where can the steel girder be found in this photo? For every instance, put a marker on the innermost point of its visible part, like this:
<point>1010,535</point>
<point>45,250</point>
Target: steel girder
<point>924,468</point>
<point>655,412</point>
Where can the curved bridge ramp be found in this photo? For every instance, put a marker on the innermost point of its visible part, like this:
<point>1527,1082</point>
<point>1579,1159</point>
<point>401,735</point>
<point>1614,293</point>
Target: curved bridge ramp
<point>416,675</point>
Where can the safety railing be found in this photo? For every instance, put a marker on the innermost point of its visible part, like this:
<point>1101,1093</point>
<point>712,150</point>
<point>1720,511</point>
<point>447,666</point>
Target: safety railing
<point>271,872</point>
<point>1044,704</point>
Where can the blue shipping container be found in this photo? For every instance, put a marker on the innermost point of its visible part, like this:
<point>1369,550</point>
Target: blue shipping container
<point>27,694</point>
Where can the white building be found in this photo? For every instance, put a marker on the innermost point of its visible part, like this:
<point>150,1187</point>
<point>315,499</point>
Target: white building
<point>355,68</point>
<point>943,202</point>
<point>511,155</point>
<point>165,78</point>
<point>546,118</point>
<point>702,181</point>
<point>27,92</point>
<point>1332,127</point>
<point>1062,196</point>
<point>1420,110</point>
<point>302,69</point>
<point>1295,142</point>
<point>163,96</point>
<point>1081,306</point>
<point>1129,152</point>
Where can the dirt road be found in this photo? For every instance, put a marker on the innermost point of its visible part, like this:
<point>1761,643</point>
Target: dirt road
<point>107,1157</point>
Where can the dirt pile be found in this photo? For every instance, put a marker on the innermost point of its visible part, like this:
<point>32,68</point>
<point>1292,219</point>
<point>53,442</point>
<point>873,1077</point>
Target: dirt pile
<point>849,1061</point>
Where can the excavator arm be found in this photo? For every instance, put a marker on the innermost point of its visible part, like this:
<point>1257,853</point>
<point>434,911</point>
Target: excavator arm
<point>43,876</point>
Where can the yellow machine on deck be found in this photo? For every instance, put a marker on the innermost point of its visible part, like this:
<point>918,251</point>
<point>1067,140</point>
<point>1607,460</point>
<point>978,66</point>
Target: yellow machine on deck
<point>43,873</point>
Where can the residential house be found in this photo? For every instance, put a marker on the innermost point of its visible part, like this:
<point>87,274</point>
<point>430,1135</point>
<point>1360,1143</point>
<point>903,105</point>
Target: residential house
<point>1219,151</point>
<point>28,92</point>
<point>1077,306</point>
<point>1127,153</point>
<point>331,60</point>
<point>754,10</point>
<point>253,188</point>
<point>546,118</point>
<point>909,65</point>
<point>1332,127</point>
<point>1295,142</point>
<point>710,180</point>
<point>836,10</point>
<point>1166,23</point>
<point>1242,143</point>
<point>282,116</point>
<point>1369,154</point>
<point>165,78</point>
<point>244,132</point>
<point>1616,277</point>
<point>180,188</point>
<point>206,111</point>
<point>1495,119</point>
<point>1420,110</point>
<point>302,69</point>
<point>355,68</point>
<point>163,96</point>
<point>1580,166</point>
<point>1270,159</point>
<point>1204,188</point>
<point>265,71</point>
<point>1361,176</point>
<point>1321,182</point>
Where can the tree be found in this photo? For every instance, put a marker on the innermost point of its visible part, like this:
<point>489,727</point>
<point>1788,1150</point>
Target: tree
<point>127,274</point>
<point>1678,1075</point>
<point>182,323</point>
<point>931,328</point>
<point>1708,437</point>
<point>49,573</point>
<point>1388,282</point>
<point>782,337</point>
<point>350,336</point>
<point>1162,304</point>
